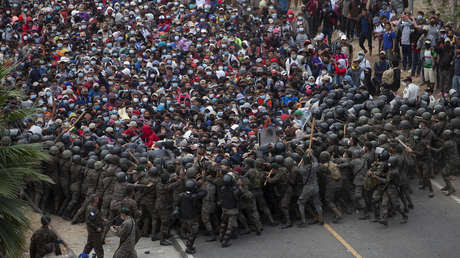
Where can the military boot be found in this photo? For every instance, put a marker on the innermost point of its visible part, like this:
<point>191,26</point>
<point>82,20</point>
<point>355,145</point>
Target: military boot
<point>271,221</point>
<point>376,215</point>
<point>212,237</point>
<point>450,191</point>
<point>320,219</point>
<point>384,219</point>
<point>363,215</point>
<point>226,242</point>
<point>288,220</point>
<point>404,219</point>
<point>165,242</point>
<point>303,221</point>
<point>337,215</point>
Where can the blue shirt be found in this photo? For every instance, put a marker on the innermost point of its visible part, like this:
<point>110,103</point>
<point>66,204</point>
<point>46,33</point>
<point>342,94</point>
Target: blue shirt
<point>365,26</point>
<point>388,38</point>
<point>285,100</point>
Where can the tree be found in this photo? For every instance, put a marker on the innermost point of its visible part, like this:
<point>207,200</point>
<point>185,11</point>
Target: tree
<point>18,162</point>
<point>449,10</point>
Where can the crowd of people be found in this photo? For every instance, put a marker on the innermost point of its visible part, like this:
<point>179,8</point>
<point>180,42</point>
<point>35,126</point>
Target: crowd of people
<point>230,115</point>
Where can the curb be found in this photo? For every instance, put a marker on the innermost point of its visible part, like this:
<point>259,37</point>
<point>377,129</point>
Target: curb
<point>179,245</point>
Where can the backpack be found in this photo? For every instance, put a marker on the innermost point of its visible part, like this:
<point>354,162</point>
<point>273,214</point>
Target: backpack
<point>388,77</point>
<point>334,170</point>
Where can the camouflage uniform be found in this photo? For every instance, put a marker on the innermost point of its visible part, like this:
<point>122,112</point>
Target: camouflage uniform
<point>333,185</point>
<point>94,225</point>
<point>76,178</point>
<point>146,199</point>
<point>280,179</point>
<point>52,192</point>
<point>310,190</point>
<point>248,208</point>
<point>230,196</point>
<point>65,164</point>
<point>359,170</point>
<point>127,234</point>
<point>256,179</point>
<point>208,207</point>
<point>44,241</point>
<point>163,204</point>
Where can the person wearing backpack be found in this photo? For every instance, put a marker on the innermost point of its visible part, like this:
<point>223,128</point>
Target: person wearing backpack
<point>331,174</point>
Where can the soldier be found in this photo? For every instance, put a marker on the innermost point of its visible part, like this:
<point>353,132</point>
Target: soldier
<point>163,204</point>
<point>378,169</point>
<point>53,192</point>
<point>208,207</point>
<point>346,170</point>
<point>44,241</point>
<point>248,207</point>
<point>451,161</point>
<point>120,191</point>
<point>92,182</point>
<point>423,155</point>
<point>308,170</point>
<point>127,234</point>
<point>256,177</point>
<point>280,179</point>
<point>230,196</point>
<point>333,182</point>
<point>146,200</point>
<point>76,178</point>
<point>65,164</point>
<point>391,193</point>
<point>189,211</point>
<point>404,184</point>
<point>94,226</point>
<point>110,169</point>
<point>359,170</point>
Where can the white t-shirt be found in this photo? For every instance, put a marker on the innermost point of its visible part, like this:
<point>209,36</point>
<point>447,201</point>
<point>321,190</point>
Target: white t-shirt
<point>411,92</point>
<point>379,29</point>
<point>35,129</point>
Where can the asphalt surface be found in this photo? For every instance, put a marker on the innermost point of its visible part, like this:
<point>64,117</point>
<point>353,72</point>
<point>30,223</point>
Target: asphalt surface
<point>433,230</point>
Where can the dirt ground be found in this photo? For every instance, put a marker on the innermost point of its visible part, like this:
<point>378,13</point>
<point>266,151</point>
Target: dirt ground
<point>73,235</point>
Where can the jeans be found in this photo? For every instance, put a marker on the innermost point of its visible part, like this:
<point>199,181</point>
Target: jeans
<point>456,82</point>
<point>351,28</point>
<point>444,80</point>
<point>363,38</point>
<point>416,63</point>
<point>407,56</point>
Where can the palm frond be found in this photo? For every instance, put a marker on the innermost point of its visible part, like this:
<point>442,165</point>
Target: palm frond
<point>5,94</point>
<point>14,224</point>
<point>9,187</point>
<point>20,155</point>
<point>16,116</point>
<point>18,164</point>
<point>5,70</point>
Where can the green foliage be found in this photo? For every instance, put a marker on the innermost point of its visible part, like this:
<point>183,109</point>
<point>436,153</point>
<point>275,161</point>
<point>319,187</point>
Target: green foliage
<point>18,164</point>
<point>450,12</point>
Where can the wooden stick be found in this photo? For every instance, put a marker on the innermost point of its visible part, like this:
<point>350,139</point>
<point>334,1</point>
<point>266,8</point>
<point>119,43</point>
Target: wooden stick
<point>268,176</point>
<point>345,130</point>
<point>300,163</point>
<point>71,126</point>
<point>404,145</point>
<point>134,157</point>
<point>311,133</point>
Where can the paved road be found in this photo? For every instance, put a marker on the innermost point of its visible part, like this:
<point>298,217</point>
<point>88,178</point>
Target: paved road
<point>433,231</point>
